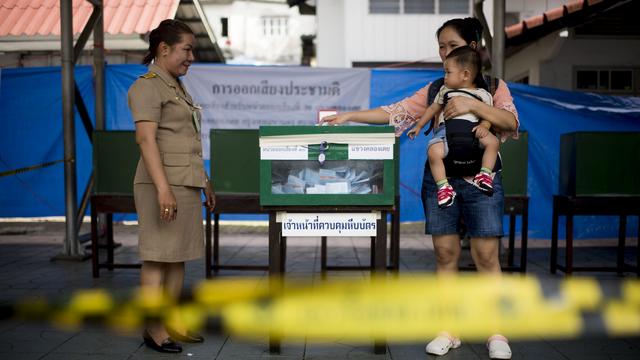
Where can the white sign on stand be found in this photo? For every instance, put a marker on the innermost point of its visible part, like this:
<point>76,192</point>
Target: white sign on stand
<point>328,224</point>
<point>371,152</point>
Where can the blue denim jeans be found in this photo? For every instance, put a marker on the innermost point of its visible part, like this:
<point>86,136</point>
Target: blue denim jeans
<point>481,214</point>
<point>440,136</point>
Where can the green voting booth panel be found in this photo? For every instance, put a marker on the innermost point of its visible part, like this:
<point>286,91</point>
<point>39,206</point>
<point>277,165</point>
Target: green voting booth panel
<point>600,163</point>
<point>514,154</point>
<point>327,165</point>
<point>115,158</point>
<point>235,160</point>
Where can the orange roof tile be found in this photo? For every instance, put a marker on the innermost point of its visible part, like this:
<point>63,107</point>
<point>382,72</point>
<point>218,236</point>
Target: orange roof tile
<point>513,30</point>
<point>555,13</point>
<point>574,6</point>
<point>534,21</point>
<point>548,16</point>
<point>42,17</point>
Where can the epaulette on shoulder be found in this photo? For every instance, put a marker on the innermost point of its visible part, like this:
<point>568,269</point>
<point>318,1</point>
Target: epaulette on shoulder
<point>149,75</point>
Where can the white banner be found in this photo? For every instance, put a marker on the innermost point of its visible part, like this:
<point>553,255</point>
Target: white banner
<point>328,224</point>
<point>243,97</point>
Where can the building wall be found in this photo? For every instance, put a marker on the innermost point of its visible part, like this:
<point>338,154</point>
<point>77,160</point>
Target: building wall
<point>348,33</point>
<point>52,58</point>
<point>529,8</point>
<point>247,41</point>
<point>331,40</point>
<point>45,51</point>
<point>526,62</point>
<point>551,61</point>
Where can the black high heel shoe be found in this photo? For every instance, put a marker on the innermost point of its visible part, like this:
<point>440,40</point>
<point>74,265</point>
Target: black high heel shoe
<point>189,337</point>
<point>167,345</point>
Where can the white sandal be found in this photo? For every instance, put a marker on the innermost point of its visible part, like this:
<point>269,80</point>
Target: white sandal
<point>442,343</point>
<point>498,346</point>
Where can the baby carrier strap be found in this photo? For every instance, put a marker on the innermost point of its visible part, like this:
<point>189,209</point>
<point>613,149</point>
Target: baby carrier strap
<point>465,155</point>
<point>434,88</point>
<point>447,96</point>
<point>490,84</point>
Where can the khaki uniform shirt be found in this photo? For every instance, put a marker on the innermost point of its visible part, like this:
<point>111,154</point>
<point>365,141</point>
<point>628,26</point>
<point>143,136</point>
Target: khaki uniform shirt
<point>159,97</point>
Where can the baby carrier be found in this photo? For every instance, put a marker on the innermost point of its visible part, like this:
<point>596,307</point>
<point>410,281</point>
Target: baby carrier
<point>465,155</point>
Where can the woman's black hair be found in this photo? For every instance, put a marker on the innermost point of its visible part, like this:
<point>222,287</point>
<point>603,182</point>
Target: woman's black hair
<point>469,29</point>
<point>469,58</point>
<point>170,32</point>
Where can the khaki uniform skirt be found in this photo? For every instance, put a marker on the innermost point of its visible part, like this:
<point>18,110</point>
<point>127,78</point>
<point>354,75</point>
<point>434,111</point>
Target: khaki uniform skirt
<point>175,241</point>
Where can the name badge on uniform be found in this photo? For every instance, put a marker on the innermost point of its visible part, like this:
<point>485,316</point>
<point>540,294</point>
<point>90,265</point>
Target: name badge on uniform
<point>196,120</point>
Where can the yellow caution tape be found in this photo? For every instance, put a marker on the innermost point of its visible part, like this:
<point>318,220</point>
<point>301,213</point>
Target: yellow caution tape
<point>405,308</point>
<point>622,319</point>
<point>35,308</point>
<point>220,292</point>
<point>126,318</point>
<point>631,291</point>
<point>184,317</point>
<point>581,293</point>
<point>92,302</point>
<point>153,301</point>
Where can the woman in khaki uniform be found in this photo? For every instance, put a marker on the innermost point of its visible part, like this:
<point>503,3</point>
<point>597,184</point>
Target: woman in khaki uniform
<point>170,174</point>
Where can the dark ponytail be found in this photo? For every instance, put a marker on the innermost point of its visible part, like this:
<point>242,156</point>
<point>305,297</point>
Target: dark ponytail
<point>170,32</point>
<point>469,29</point>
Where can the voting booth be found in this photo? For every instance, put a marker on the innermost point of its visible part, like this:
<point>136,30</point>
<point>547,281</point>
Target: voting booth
<point>320,181</point>
<point>327,165</point>
<point>115,157</point>
<point>234,168</point>
<point>598,176</point>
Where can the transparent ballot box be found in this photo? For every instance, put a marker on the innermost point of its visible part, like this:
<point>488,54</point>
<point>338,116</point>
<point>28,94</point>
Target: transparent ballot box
<point>327,165</point>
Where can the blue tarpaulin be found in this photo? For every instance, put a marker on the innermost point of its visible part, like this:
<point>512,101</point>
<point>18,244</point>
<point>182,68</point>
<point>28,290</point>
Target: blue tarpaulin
<point>31,133</point>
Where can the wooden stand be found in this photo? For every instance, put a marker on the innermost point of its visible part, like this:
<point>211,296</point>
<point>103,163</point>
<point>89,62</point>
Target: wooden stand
<point>108,204</point>
<point>593,205</point>
<point>277,248</point>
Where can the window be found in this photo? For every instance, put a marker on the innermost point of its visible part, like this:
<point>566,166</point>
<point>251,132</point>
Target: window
<point>384,6</point>
<point>225,26</point>
<point>511,18</point>
<point>454,7</point>
<point>619,81</point>
<point>587,80</point>
<point>275,26</point>
<point>420,7</point>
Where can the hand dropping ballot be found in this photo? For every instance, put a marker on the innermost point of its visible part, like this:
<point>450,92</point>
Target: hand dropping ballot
<point>324,113</point>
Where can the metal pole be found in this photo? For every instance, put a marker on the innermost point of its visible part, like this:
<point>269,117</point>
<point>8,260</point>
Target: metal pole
<point>98,67</point>
<point>71,244</point>
<point>98,73</point>
<point>478,12</point>
<point>498,39</point>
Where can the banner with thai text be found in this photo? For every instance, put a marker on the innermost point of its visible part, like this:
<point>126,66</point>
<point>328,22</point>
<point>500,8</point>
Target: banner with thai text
<point>241,97</point>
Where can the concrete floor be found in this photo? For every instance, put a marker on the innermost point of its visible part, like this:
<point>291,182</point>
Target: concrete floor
<point>26,270</point>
